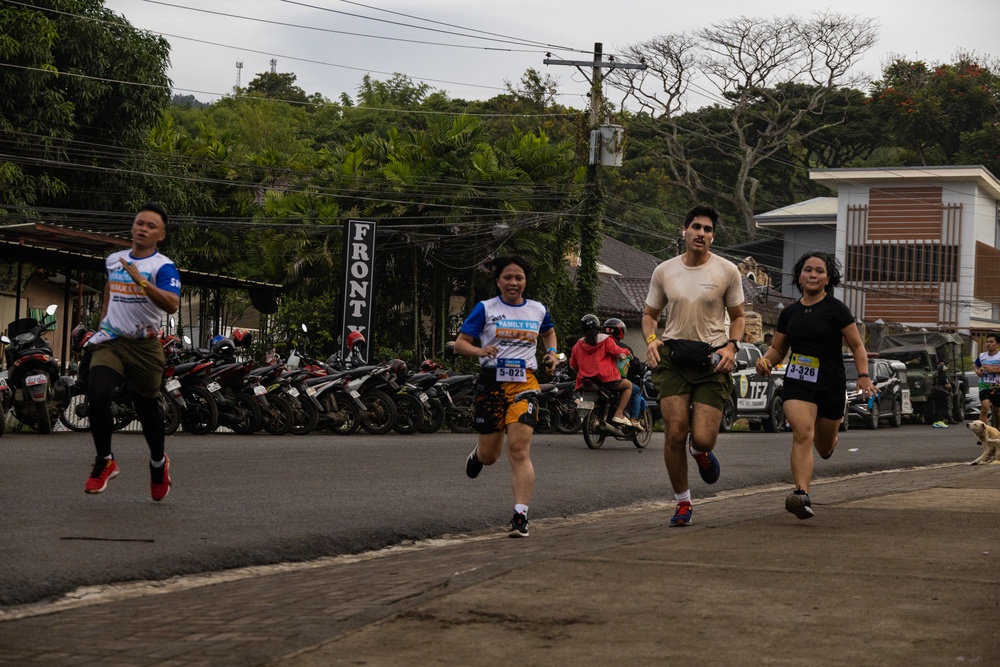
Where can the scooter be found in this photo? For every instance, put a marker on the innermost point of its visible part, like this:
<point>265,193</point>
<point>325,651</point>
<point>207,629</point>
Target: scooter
<point>32,372</point>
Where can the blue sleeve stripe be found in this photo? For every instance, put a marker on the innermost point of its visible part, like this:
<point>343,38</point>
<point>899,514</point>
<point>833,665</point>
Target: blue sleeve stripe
<point>168,278</point>
<point>475,322</point>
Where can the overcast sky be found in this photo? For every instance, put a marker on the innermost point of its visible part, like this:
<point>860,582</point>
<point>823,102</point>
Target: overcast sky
<point>205,47</point>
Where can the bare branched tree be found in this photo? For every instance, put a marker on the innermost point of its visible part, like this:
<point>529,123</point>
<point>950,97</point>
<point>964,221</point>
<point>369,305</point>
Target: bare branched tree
<point>762,78</point>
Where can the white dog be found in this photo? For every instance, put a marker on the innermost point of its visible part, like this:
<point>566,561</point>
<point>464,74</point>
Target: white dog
<point>989,437</point>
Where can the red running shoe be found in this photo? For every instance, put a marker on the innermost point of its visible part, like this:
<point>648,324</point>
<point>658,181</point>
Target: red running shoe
<point>159,479</point>
<point>104,470</point>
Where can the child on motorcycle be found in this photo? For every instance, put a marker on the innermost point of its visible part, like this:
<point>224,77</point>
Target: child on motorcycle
<point>631,369</point>
<point>595,357</point>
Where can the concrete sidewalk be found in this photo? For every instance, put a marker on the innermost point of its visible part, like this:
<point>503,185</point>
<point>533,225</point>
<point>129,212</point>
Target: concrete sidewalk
<point>897,568</point>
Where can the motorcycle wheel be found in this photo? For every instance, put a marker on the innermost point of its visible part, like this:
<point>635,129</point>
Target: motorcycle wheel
<point>592,433</point>
<point>409,414</point>
<point>171,411</point>
<point>460,418</point>
<point>570,420</point>
<point>379,415</point>
<point>74,416</point>
<point>278,417</point>
<point>433,417</point>
<point>642,438</point>
<point>305,416</point>
<point>341,418</point>
<point>42,423</point>
<point>201,415</point>
<point>250,418</point>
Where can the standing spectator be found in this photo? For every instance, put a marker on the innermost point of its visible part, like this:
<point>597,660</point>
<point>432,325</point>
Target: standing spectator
<point>813,329</point>
<point>941,395</point>
<point>698,289</point>
<point>766,343</point>
<point>142,286</point>
<point>508,327</point>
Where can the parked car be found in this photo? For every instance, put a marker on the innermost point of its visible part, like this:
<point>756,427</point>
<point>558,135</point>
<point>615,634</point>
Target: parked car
<point>889,403</point>
<point>754,395</point>
<point>972,403</point>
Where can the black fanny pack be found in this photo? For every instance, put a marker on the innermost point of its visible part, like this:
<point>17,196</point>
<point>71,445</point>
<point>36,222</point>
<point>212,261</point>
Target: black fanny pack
<point>690,354</point>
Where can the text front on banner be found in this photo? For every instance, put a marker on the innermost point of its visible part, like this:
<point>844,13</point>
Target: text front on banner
<point>359,288</point>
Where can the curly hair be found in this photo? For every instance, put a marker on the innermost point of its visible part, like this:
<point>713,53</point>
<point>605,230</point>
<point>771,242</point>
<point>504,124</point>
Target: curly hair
<point>832,269</point>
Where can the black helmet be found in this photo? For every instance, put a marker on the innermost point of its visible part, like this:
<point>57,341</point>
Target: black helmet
<point>589,322</point>
<point>223,347</point>
<point>615,328</point>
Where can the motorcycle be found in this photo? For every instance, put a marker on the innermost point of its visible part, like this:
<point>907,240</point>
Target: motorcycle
<point>596,405</point>
<point>32,373</point>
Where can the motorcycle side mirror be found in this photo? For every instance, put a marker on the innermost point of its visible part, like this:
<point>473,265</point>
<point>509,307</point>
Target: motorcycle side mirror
<point>51,310</point>
<point>172,321</point>
<point>5,340</point>
<point>187,340</point>
<point>305,329</point>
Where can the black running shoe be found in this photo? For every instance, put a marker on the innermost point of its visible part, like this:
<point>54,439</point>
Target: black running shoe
<point>518,525</point>
<point>799,504</point>
<point>472,465</point>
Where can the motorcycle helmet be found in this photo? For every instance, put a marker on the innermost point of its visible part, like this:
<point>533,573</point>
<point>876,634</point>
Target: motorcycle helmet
<point>215,339</point>
<point>589,322</point>
<point>223,347</point>
<point>398,368</point>
<point>354,339</point>
<point>615,328</point>
<point>79,337</point>
<point>428,365</point>
<point>242,337</point>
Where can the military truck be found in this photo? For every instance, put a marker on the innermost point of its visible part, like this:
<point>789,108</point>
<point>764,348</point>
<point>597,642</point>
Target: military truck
<point>920,352</point>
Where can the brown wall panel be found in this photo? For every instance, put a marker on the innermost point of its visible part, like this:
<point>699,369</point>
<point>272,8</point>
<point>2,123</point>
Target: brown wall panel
<point>904,213</point>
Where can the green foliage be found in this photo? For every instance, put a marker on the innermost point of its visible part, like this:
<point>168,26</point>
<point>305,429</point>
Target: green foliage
<point>277,86</point>
<point>932,111</point>
<point>66,111</point>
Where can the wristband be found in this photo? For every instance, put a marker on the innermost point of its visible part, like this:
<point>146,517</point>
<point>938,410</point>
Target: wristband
<point>551,349</point>
<point>650,338</point>
<point>143,285</point>
<point>863,375</point>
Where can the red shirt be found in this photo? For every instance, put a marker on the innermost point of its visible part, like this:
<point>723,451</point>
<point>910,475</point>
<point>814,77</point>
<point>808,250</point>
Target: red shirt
<point>596,362</point>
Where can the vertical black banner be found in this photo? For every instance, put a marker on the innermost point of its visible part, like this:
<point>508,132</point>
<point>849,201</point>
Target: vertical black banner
<point>359,287</point>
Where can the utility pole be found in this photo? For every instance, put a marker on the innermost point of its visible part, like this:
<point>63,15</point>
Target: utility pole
<point>587,280</point>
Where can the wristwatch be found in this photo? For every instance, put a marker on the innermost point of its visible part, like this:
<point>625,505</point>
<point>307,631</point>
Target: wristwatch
<point>736,344</point>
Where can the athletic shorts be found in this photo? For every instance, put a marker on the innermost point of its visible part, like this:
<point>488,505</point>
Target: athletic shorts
<point>497,404</point>
<point>991,394</point>
<point>705,386</point>
<point>829,402</point>
<point>139,360</point>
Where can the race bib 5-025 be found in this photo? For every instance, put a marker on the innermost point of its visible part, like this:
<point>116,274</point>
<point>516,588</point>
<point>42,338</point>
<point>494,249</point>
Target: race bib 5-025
<point>511,370</point>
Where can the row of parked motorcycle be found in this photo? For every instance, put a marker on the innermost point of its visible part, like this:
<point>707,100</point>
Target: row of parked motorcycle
<point>205,388</point>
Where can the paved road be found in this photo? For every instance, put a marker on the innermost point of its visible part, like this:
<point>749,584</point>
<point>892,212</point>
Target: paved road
<point>240,501</point>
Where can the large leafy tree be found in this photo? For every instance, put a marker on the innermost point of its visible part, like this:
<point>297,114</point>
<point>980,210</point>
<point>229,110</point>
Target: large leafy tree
<point>930,111</point>
<point>80,89</point>
<point>745,64</point>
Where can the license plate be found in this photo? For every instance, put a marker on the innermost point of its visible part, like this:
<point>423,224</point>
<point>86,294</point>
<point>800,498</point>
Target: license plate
<point>311,391</point>
<point>355,394</point>
<point>173,385</point>
<point>424,398</point>
<point>32,380</point>
<point>585,405</point>
<point>259,390</point>
<point>3,383</point>
<point>214,387</point>
<point>293,392</point>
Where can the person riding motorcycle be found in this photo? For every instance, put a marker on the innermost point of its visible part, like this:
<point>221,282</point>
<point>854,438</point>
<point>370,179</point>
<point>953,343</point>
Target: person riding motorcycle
<point>594,357</point>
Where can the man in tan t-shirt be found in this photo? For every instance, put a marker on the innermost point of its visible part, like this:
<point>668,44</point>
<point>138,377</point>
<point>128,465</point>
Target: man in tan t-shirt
<point>698,289</point>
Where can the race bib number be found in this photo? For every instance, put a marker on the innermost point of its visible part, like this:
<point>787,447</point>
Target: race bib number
<point>803,368</point>
<point>511,370</point>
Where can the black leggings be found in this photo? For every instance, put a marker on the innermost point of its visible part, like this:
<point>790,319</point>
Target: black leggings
<point>103,383</point>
